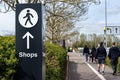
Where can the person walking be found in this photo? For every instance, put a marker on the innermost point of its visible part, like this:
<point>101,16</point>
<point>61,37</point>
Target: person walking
<point>93,53</point>
<point>101,56</point>
<point>113,55</point>
<point>86,52</point>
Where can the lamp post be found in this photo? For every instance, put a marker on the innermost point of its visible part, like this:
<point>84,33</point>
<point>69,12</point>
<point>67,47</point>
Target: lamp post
<point>105,28</point>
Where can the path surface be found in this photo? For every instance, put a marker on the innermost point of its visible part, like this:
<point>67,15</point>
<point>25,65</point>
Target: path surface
<point>81,70</point>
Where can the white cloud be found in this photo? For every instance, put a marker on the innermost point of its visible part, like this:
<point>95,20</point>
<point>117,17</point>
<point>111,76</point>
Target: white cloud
<point>96,21</point>
<point>113,11</point>
<point>7,21</point>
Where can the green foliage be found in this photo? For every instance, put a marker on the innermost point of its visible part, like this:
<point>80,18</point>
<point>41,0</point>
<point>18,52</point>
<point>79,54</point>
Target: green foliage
<point>108,63</point>
<point>55,62</point>
<point>118,65</point>
<point>93,39</point>
<point>7,57</point>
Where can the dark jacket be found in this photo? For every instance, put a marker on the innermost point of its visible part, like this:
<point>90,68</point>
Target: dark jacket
<point>114,53</point>
<point>85,50</point>
<point>93,51</point>
<point>101,52</point>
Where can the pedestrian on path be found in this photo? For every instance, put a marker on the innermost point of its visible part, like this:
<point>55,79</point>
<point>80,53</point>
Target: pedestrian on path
<point>101,56</point>
<point>86,52</point>
<point>93,53</point>
<point>113,56</point>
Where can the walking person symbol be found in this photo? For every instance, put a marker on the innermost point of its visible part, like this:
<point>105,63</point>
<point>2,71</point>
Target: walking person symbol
<point>28,16</point>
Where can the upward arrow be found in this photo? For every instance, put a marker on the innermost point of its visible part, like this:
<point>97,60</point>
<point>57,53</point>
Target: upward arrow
<point>28,35</point>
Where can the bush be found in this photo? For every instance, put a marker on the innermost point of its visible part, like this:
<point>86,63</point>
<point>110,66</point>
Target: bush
<point>7,57</point>
<point>118,65</point>
<point>55,62</point>
<point>109,64</point>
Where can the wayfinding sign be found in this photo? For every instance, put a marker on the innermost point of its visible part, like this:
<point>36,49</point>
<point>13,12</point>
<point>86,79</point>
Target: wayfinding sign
<point>113,30</point>
<point>29,41</point>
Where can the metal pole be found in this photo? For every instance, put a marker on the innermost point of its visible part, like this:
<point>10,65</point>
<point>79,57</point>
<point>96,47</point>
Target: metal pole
<point>105,33</point>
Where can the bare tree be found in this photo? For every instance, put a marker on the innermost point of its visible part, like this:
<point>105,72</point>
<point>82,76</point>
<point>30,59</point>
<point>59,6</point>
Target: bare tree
<point>61,15</point>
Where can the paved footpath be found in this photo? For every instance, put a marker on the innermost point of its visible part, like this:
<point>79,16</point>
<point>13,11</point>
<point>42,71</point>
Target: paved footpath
<point>81,70</point>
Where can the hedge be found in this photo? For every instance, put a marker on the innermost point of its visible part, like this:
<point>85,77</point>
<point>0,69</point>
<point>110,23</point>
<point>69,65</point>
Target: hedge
<point>55,62</point>
<point>55,59</point>
<point>7,57</point>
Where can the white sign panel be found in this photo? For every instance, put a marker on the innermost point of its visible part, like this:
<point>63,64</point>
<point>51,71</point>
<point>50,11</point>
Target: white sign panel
<point>113,30</point>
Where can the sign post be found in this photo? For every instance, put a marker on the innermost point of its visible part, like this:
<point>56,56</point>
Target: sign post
<point>29,41</point>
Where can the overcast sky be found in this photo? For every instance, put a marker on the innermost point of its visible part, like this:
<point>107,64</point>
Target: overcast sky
<point>96,17</point>
<point>94,24</point>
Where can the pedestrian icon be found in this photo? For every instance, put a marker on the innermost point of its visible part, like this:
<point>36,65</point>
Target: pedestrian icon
<point>28,17</point>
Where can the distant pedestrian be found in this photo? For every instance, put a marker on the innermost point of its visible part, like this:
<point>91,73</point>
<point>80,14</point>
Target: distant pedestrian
<point>73,50</point>
<point>70,49</point>
<point>93,53</point>
<point>113,56</point>
<point>86,52</point>
<point>101,56</point>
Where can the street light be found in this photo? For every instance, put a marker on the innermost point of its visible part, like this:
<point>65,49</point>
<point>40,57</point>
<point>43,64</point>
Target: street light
<point>105,28</point>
